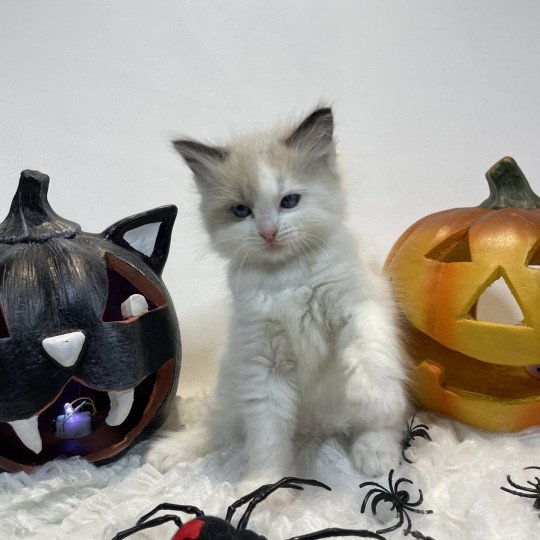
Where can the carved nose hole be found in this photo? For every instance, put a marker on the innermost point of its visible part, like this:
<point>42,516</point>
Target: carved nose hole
<point>497,304</point>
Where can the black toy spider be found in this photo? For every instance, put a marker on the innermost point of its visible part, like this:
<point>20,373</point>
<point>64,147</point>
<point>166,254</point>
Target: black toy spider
<point>400,500</point>
<point>530,493</point>
<point>210,528</point>
<point>420,430</point>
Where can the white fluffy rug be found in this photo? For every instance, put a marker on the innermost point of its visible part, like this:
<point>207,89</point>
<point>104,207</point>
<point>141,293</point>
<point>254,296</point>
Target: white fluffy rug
<point>460,473</point>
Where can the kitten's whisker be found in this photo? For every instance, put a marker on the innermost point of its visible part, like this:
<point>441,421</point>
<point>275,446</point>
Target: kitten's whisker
<point>316,239</point>
<point>306,233</point>
<point>300,245</point>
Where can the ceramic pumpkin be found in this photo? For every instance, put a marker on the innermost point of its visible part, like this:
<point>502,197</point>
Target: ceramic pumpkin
<point>483,373</point>
<point>84,317</point>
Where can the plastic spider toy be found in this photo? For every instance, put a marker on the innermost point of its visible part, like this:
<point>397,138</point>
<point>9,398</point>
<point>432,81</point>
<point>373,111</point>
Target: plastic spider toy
<point>420,430</point>
<point>528,492</point>
<point>211,528</point>
<point>399,498</point>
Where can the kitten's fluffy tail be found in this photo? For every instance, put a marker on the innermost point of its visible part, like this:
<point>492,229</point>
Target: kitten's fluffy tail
<point>169,448</point>
<point>184,436</point>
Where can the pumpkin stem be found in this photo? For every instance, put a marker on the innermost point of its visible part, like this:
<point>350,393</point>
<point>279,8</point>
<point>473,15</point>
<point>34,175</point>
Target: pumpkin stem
<point>31,218</point>
<point>508,187</point>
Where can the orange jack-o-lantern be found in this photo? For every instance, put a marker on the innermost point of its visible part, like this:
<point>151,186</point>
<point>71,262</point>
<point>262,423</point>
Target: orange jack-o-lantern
<point>483,373</point>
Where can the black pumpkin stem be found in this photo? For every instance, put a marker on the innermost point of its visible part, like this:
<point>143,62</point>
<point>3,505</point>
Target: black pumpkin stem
<point>31,218</point>
<point>509,188</point>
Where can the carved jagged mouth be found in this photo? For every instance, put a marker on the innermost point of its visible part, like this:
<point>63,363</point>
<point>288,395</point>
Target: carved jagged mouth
<point>119,418</point>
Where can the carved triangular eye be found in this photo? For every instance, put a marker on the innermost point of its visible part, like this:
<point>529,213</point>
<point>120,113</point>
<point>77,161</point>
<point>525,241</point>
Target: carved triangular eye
<point>130,292</point>
<point>455,248</point>
<point>497,304</point>
<point>533,260</point>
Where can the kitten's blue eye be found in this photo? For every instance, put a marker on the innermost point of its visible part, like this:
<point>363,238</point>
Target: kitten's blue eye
<point>290,201</point>
<point>241,210</point>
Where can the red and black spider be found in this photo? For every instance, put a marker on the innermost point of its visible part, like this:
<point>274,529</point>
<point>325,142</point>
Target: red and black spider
<point>420,430</point>
<point>211,528</point>
<point>399,498</point>
<point>530,493</point>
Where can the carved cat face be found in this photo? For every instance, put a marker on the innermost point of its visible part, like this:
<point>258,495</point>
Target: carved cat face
<point>82,315</point>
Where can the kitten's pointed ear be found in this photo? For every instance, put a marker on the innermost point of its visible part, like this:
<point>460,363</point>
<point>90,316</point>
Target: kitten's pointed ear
<point>148,234</point>
<point>315,134</point>
<point>200,158</point>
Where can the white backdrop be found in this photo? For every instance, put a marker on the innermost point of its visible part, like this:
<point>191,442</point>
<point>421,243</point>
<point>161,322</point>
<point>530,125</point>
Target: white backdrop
<point>427,95</point>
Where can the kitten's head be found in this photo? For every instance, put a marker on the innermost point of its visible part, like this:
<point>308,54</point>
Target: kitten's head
<point>270,197</point>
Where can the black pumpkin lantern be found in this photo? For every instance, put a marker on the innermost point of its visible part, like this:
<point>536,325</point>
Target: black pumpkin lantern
<point>84,318</point>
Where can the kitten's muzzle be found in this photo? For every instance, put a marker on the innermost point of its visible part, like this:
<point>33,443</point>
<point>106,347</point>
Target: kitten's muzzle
<point>269,234</point>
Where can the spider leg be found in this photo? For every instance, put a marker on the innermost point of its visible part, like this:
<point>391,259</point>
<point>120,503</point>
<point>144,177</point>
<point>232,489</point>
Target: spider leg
<point>169,506</point>
<point>408,506</point>
<point>399,481</point>
<point>377,499</point>
<point>393,527</point>
<point>418,511</point>
<point>417,502</point>
<point>328,533</point>
<point>147,525</point>
<point>246,498</point>
<point>390,478</point>
<point>531,467</point>
<point>364,484</point>
<point>409,523</point>
<point>418,535</point>
<point>391,486</point>
<point>422,433</point>
<point>369,494</point>
<point>405,458</point>
<point>527,495</point>
<point>262,493</point>
<point>517,486</point>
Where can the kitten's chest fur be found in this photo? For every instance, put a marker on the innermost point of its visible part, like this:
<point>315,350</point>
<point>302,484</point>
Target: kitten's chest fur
<point>295,313</point>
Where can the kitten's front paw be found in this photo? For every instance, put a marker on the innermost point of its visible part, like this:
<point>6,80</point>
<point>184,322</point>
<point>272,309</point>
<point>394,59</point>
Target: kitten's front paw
<point>376,452</point>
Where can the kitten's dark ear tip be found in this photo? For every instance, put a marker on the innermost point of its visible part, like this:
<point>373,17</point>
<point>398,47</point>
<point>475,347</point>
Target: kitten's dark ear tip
<point>317,127</point>
<point>183,146</point>
<point>192,151</point>
<point>323,111</point>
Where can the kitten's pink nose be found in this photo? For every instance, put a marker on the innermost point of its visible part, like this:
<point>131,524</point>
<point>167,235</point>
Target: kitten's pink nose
<point>269,235</point>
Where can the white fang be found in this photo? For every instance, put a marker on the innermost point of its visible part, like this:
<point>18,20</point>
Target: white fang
<point>121,403</point>
<point>135,305</point>
<point>65,349</point>
<point>143,238</point>
<point>28,433</point>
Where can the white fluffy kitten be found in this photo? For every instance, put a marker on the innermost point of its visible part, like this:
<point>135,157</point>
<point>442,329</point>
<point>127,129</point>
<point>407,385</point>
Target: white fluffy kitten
<point>313,344</point>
